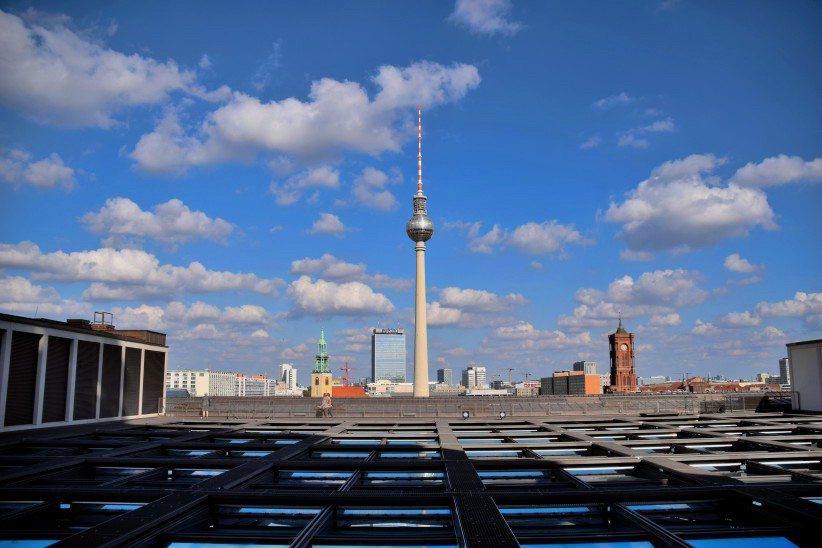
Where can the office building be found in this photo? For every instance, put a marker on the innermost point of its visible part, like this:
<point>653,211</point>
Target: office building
<point>54,372</point>
<point>623,361</point>
<point>570,383</point>
<point>474,377</point>
<point>388,355</point>
<point>256,385</point>
<point>444,376</point>
<point>654,379</point>
<point>288,375</point>
<point>784,371</point>
<point>589,368</point>
<point>202,382</point>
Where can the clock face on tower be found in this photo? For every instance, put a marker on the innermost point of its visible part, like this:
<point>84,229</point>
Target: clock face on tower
<point>623,347</point>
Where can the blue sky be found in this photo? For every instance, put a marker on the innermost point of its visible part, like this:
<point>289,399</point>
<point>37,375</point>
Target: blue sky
<point>239,176</point>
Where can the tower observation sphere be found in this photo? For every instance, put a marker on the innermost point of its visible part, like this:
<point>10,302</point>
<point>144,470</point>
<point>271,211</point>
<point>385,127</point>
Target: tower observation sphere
<point>420,228</point>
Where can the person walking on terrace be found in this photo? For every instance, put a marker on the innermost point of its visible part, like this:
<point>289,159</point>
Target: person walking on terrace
<point>325,407</point>
<point>205,404</point>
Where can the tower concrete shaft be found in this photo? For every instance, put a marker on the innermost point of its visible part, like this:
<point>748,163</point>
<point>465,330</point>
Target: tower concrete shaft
<point>420,229</point>
<point>420,328</point>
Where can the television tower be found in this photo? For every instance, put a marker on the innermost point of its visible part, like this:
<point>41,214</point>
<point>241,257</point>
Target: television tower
<point>420,229</point>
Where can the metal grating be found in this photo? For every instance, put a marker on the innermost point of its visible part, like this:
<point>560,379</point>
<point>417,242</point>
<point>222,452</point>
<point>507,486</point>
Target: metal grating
<point>298,482</point>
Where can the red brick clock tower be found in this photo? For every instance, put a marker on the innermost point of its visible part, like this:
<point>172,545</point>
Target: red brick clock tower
<point>623,363</point>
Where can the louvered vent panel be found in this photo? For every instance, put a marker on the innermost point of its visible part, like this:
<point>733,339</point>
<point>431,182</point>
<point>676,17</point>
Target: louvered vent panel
<point>57,367</point>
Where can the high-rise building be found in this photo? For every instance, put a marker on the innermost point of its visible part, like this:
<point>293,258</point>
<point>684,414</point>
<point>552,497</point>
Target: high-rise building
<point>474,377</point>
<point>388,355</point>
<point>784,372</point>
<point>572,383</point>
<point>321,374</point>
<point>288,375</point>
<point>200,383</point>
<point>589,368</point>
<point>623,362</point>
<point>256,385</point>
<point>420,229</point>
<point>444,376</point>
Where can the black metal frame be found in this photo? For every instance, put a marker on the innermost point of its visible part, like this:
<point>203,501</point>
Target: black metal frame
<point>60,465</point>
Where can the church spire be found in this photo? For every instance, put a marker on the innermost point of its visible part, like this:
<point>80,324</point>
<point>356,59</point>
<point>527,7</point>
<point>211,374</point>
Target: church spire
<point>321,361</point>
<point>620,329</point>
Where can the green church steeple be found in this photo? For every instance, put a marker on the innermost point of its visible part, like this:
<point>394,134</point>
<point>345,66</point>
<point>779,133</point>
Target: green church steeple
<point>321,362</point>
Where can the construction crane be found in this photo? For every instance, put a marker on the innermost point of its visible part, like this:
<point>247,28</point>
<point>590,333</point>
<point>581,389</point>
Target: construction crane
<point>509,369</point>
<point>527,374</point>
<point>345,377</point>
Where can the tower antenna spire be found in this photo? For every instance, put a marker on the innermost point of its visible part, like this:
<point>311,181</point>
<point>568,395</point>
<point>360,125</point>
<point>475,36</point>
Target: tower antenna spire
<point>419,149</point>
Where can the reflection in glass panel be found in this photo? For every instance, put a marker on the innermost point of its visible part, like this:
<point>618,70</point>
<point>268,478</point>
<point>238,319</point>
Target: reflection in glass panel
<point>409,455</point>
<point>756,542</point>
<point>479,454</point>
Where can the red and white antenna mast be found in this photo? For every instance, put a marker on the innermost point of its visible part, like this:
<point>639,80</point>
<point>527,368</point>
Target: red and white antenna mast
<point>419,149</point>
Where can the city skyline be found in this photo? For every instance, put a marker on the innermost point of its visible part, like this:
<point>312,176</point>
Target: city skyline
<point>240,185</point>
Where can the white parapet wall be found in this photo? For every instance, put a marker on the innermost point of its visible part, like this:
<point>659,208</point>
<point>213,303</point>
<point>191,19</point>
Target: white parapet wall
<point>805,366</point>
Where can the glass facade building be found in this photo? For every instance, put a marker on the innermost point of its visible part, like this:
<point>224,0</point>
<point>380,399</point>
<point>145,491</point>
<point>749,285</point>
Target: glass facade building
<point>388,355</point>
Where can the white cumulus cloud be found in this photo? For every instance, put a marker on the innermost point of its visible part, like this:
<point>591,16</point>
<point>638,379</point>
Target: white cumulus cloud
<point>17,167</point>
<point>779,170</point>
<point>807,306</point>
<point>369,189</point>
<point>54,75</point>
<point>739,319</point>
<point>479,300</point>
<point>485,16</point>
<point>324,298</point>
<point>735,263</point>
<point>676,209</point>
<point>613,101</point>
<point>665,319</point>
<point>331,268</point>
<point>662,287</point>
<point>293,188</point>
<point>171,222</point>
<point>532,238</point>
<point>128,273</point>
<point>338,116</point>
<point>328,223</point>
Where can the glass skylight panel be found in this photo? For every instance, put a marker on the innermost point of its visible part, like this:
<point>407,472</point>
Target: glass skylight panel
<point>753,542</point>
<point>408,455</point>
<point>600,470</point>
<point>349,441</point>
<point>481,440</point>
<point>233,440</point>
<point>403,478</point>
<point>340,454</point>
<point>397,441</point>
<point>433,518</point>
<point>249,454</point>
<point>563,452</point>
<point>535,440</point>
<point>490,453</point>
<point>189,452</point>
<point>327,477</point>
